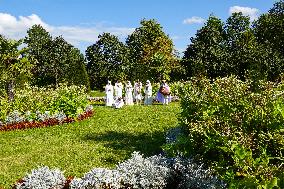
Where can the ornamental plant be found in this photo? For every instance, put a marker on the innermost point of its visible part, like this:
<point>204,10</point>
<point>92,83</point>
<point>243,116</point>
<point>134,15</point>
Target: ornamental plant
<point>70,100</point>
<point>138,172</point>
<point>43,177</point>
<point>235,129</point>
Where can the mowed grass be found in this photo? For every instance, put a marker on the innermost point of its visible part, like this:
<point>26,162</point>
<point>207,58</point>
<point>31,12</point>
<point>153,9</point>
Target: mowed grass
<point>97,93</point>
<point>101,141</point>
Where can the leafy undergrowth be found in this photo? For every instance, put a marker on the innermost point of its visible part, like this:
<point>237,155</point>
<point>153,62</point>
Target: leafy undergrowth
<point>236,128</point>
<point>101,141</point>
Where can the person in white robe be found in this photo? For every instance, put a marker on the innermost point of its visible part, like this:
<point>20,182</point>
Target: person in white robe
<point>128,94</point>
<point>138,92</point>
<point>164,93</point>
<point>118,87</point>
<point>118,103</point>
<point>109,94</point>
<point>148,93</point>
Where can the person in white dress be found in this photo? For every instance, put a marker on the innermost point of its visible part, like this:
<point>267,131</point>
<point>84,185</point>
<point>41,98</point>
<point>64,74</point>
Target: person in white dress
<point>138,92</point>
<point>128,94</point>
<point>109,94</point>
<point>118,87</point>
<point>148,93</point>
<point>118,103</point>
<point>164,93</point>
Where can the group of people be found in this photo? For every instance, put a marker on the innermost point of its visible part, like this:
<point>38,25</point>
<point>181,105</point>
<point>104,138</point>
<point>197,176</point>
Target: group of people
<point>114,94</point>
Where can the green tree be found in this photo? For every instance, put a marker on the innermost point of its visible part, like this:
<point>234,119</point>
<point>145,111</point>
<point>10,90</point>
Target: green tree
<point>151,52</point>
<point>269,31</point>
<point>106,60</point>
<point>39,43</point>
<point>205,56</point>
<point>67,63</point>
<point>57,60</point>
<point>15,65</point>
<point>240,44</point>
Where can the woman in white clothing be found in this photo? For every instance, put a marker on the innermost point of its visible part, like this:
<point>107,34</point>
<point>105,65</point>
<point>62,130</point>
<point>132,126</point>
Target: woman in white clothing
<point>118,89</point>
<point>128,94</point>
<point>109,94</point>
<point>148,93</point>
<point>118,103</point>
<point>137,92</point>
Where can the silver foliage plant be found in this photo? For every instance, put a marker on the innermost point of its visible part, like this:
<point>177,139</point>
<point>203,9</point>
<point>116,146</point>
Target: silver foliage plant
<point>191,175</point>
<point>43,178</point>
<point>136,172</point>
<point>17,117</point>
<point>96,179</point>
<point>140,172</point>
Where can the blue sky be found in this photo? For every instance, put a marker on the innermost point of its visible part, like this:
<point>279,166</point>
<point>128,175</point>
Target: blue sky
<point>81,21</point>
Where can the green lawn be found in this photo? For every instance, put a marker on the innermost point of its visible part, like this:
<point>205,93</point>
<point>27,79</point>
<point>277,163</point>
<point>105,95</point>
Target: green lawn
<point>102,141</point>
<point>97,93</point>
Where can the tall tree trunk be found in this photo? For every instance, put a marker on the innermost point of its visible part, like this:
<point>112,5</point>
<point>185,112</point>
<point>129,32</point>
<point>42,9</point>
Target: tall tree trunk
<point>10,90</point>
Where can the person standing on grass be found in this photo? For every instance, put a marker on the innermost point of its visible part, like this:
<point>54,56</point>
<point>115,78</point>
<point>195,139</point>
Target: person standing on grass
<point>137,92</point>
<point>148,93</point>
<point>128,94</point>
<point>118,87</point>
<point>109,94</point>
<point>164,92</point>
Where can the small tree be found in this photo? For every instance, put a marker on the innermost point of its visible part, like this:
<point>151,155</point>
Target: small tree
<point>15,65</point>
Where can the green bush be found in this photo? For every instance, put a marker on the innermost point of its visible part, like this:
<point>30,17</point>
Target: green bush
<point>71,100</point>
<point>234,130</point>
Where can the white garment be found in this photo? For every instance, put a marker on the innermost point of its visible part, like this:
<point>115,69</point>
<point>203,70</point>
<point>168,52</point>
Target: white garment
<point>128,94</point>
<point>118,90</point>
<point>166,99</point>
<point>137,91</point>
<point>118,103</point>
<point>109,94</point>
<point>148,94</point>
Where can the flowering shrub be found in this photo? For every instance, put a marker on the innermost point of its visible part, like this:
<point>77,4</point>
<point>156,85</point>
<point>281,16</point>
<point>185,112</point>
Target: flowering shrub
<point>235,130</point>
<point>71,100</point>
<point>42,177</point>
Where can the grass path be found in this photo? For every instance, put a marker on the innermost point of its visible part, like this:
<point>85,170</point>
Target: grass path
<point>101,141</point>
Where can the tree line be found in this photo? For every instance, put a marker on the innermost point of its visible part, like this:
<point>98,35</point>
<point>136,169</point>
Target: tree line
<point>238,47</point>
<point>235,47</point>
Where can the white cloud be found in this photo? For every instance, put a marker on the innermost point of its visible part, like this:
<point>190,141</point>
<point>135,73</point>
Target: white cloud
<point>194,20</point>
<point>247,11</point>
<point>16,28</point>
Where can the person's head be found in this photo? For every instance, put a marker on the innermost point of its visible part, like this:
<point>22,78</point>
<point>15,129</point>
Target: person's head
<point>147,82</point>
<point>108,82</point>
<point>163,81</point>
